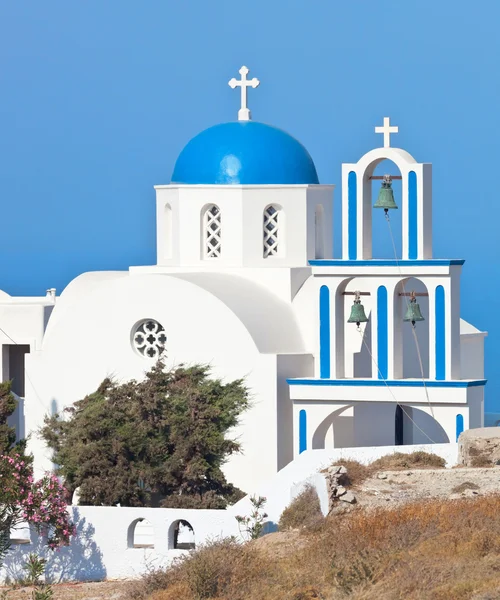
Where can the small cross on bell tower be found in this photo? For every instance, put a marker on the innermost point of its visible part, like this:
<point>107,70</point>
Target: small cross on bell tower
<point>244,112</point>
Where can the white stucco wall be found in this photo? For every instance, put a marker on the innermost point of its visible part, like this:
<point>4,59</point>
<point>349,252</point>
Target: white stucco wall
<point>101,548</point>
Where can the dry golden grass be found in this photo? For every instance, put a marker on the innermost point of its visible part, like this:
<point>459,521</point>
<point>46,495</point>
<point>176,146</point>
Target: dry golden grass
<point>435,550</point>
<point>303,511</point>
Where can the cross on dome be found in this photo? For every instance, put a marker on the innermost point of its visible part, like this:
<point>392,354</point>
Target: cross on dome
<point>244,113</point>
<point>386,129</point>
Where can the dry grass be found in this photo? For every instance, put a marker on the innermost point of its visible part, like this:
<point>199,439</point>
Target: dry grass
<point>481,461</point>
<point>414,460</point>
<point>439,550</point>
<point>303,511</point>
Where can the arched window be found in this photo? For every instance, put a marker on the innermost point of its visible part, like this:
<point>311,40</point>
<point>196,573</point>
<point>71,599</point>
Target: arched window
<point>140,534</point>
<point>211,234</point>
<point>273,231</point>
<point>181,536</point>
<point>168,231</point>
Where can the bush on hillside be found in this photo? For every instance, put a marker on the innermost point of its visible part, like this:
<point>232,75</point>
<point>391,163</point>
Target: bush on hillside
<point>442,549</point>
<point>303,511</point>
<point>414,460</point>
<point>160,441</point>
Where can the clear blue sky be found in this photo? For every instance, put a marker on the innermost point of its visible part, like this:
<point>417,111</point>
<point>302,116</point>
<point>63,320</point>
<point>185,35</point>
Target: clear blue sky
<point>98,98</point>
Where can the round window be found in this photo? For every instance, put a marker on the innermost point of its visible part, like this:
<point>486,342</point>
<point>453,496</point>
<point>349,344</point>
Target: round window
<point>149,339</point>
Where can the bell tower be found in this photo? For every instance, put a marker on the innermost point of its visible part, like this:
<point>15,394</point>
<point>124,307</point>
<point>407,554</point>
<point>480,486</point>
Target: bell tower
<point>416,201</point>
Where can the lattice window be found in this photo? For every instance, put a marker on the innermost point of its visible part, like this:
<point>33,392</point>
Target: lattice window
<point>149,339</point>
<point>212,232</point>
<point>272,222</point>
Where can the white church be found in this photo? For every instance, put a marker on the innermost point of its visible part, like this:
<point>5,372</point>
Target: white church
<point>337,352</point>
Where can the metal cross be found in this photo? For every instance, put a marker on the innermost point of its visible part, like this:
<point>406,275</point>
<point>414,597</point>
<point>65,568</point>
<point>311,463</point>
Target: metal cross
<point>386,129</point>
<point>244,113</point>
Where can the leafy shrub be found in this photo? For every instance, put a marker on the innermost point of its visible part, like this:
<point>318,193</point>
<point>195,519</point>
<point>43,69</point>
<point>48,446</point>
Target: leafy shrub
<point>162,440</point>
<point>303,511</point>
<point>481,461</point>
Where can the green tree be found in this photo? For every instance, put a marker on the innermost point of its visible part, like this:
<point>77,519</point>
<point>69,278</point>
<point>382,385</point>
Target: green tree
<point>160,441</point>
<point>8,404</point>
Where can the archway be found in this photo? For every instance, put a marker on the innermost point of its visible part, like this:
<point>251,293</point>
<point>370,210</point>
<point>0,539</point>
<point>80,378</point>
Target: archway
<point>181,536</point>
<point>336,430</point>
<point>420,427</point>
<point>381,242</point>
<point>411,345</point>
<point>358,349</point>
<point>140,534</point>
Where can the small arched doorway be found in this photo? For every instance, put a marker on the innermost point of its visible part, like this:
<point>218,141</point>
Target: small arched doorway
<point>140,534</point>
<point>181,536</point>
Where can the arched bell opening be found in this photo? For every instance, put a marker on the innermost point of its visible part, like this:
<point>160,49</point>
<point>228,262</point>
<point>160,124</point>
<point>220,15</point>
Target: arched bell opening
<point>411,330</point>
<point>358,348</point>
<point>383,196</point>
<point>336,430</point>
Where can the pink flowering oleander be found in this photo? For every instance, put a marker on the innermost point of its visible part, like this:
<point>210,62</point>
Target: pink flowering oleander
<point>40,503</point>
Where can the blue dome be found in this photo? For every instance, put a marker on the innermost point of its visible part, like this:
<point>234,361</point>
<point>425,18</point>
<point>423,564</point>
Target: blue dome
<point>244,153</point>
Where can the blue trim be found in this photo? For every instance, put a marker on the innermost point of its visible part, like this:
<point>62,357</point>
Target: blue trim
<point>382,333</point>
<point>352,218</point>
<point>389,262</point>
<point>460,425</point>
<point>324,332</point>
<point>302,431</point>
<point>440,334</point>
<point>412,216</point>
<point>391,382</point>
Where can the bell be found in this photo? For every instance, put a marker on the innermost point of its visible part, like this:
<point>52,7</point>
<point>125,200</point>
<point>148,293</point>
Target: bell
<point>385,198</point>
<point>413,313</point>
<point>357,311</point>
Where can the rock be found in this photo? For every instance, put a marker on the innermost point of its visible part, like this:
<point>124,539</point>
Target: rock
<point>382,476</point>
<point>348,497</point>
<point>342,470</point>
<point>333,469</point>
<point>479,447</point>
<point>470,493</point>
<point>341,491</point>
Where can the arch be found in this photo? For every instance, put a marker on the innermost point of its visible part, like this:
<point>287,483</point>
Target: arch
<point>440,318</point>
<point>352,210</point>
<point>20,534</point>
<point>407,354</point>
<point>319,232</point>
<point>364,170</point>
<point>302,431</point>
<point>211,232</point>
<point>342,430</point>
<point>168,231</point>
<point>140,534</point>
<point>459,425</point>
<point>181,536</point>
<point>385,242</point>
<point>273,233</point>
<point>324,332</point>
<point>420,427</point>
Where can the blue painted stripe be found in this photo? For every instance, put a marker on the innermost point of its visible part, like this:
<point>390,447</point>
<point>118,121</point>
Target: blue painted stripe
<point>352,215</point>
<point>440,333</point>
<point>382,333</point>
<point>412,216</point>
<point>383,262</point>
<point>391,382</point>
<point>324,332</point>
<point>302,431</point>
<point>460,425</point>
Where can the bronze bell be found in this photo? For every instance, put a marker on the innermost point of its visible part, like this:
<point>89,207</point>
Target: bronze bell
<point>357,311</point>
<point>413,313</point>
<point>385,198</point>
